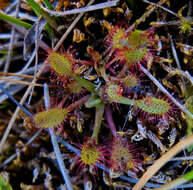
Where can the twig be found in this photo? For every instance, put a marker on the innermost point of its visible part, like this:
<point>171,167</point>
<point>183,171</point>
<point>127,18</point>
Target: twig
<point>12,90</point>
<point>175,159</point>
<point>30,115</point>
<point>157,5</point>
<point>162,160</point>
<point>57,152</point>
<point>15,81</point>
<point>70,28</point>
<point>161,87</point>
<point>24,16</point>
<point>17,78</point>
<point>188,76</point>
<point>144,16</point>
<point>36,52</point>
<point>177,60</point>
<point>82,10</point>
<point>21,75</point>
<point>11,122</point>
<point>23,31</point>
<point>17,103</point>
<point>6,68</point>
<point>181,158</point>
<point>15,45</point>
<point>28,63</point>
<point>11,6</point>
<point>174,71</point>
<point>174,52</point>
<point>8,36</point>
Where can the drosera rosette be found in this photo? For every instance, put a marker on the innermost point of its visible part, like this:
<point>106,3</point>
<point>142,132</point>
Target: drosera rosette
<point>55,116</point>
<point>65,63</point>
<point>91,153</point>
<point>130,80</point>
<point>52,117</point>
<point>130,48</point>
<point>114,39</point>
<point>125,157</point>
<point>153,109</point>
<point>114,92</point>
<point>63,66</point>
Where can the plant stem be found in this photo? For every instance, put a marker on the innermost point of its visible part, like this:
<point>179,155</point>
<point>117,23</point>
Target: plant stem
<point>14,20</point>
<point>57,152</point>
<point>110,120</point>
<point>48,4</point>
<point>98,120</point>
<point>84,83</point>
<point>93,101</point>
<point>126,101</point>
<point>77,103</point>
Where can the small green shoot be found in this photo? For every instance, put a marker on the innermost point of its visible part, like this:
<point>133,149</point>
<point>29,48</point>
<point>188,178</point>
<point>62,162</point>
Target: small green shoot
<point>39,11</point>
<point>4,185</point>
<point>14,20</point>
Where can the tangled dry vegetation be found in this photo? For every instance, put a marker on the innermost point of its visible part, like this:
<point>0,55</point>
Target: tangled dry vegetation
<point>96,94</point>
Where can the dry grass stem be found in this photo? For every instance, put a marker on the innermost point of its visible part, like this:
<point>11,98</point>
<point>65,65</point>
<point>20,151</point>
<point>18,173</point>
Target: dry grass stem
<point>144,16</point>
<point>57,152</point>
<point>15,81</point>
<point>162,161</point>
<point>11,40</point>
<point>82,10</point>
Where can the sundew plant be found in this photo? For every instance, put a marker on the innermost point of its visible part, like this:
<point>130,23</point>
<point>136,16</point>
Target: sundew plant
<point>116,98</point>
